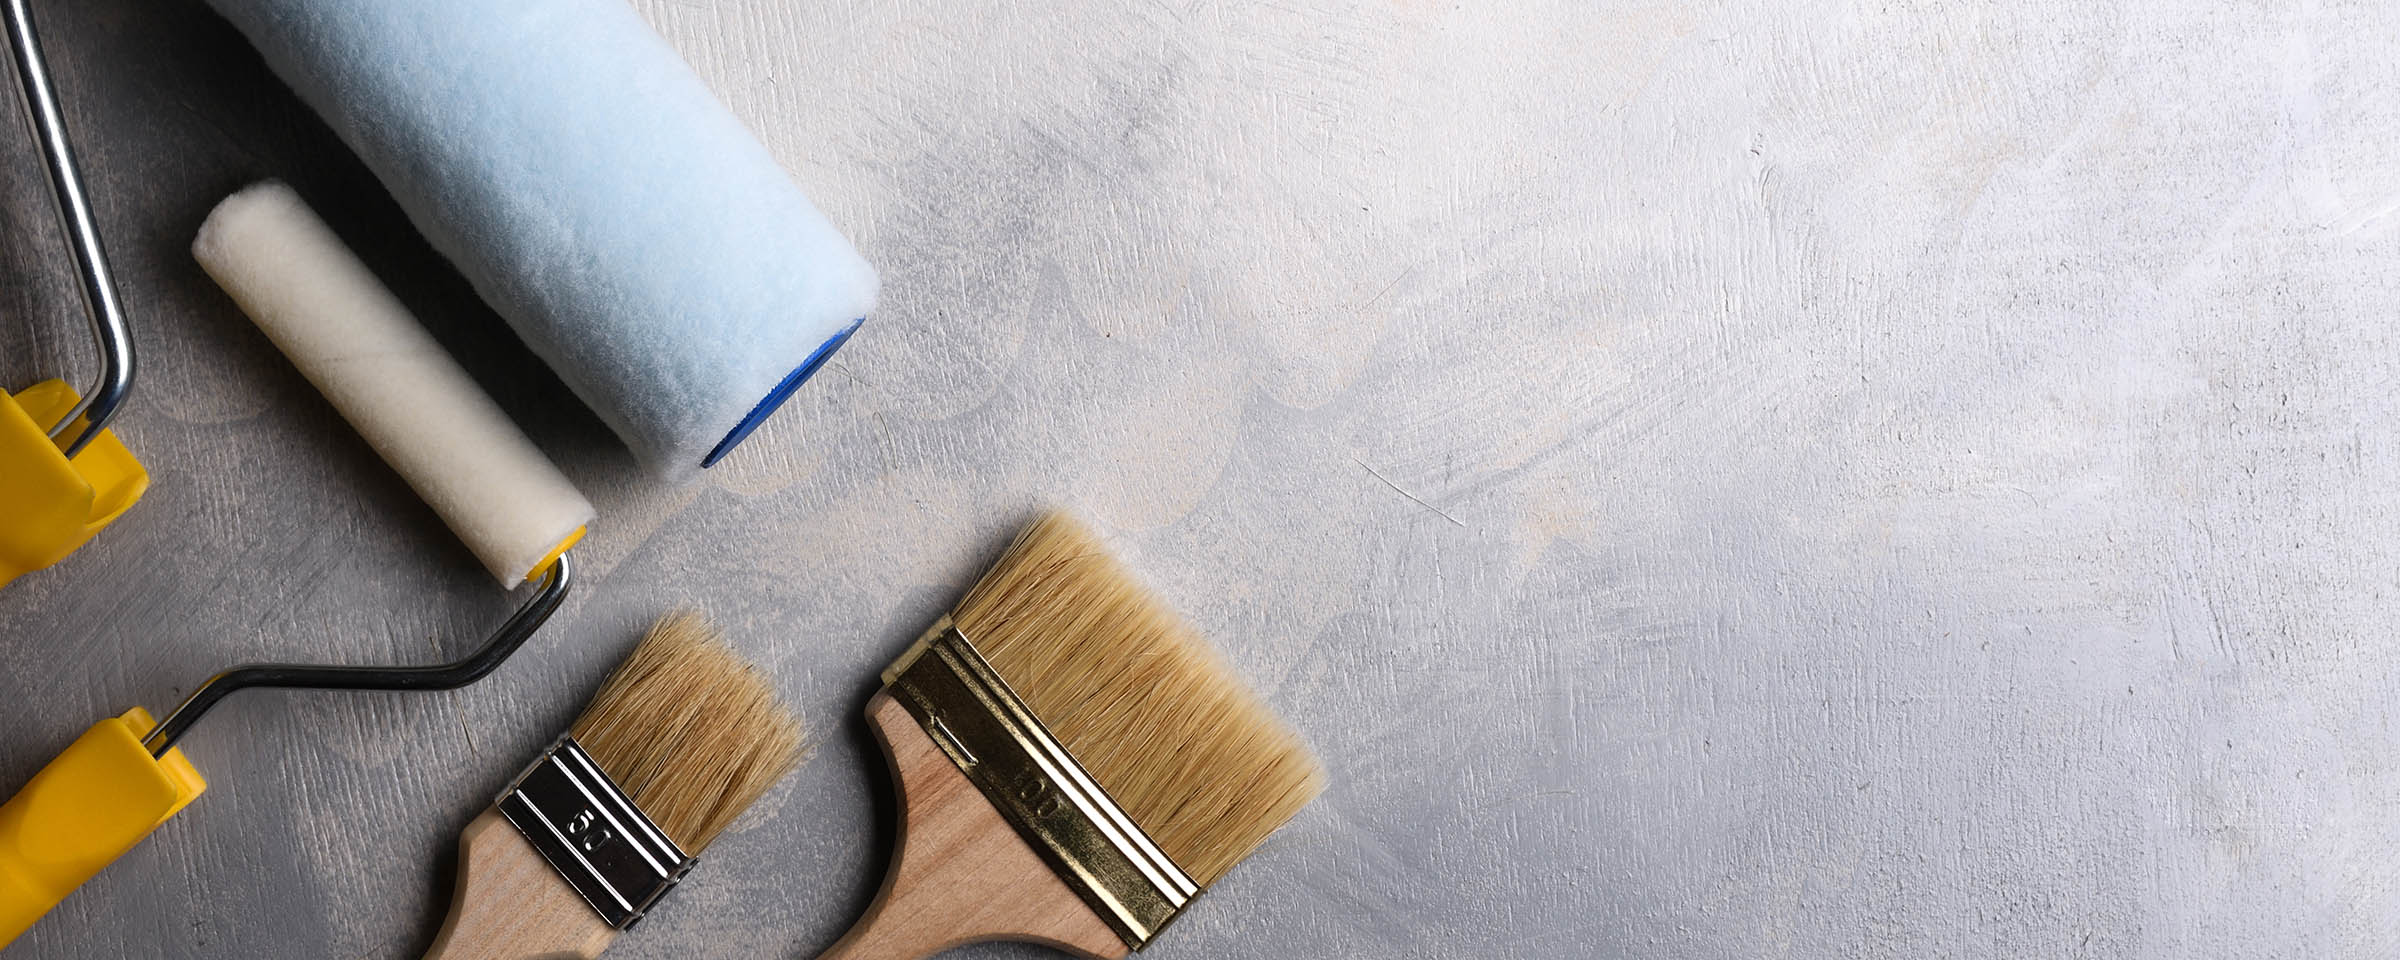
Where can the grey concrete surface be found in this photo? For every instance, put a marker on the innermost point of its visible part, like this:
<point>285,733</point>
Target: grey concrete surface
<point>1717,479</point>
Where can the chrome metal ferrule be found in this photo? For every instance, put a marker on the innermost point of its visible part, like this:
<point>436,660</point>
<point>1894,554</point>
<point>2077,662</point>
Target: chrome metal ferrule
<point>592,834</point>
<point>1037,786</point>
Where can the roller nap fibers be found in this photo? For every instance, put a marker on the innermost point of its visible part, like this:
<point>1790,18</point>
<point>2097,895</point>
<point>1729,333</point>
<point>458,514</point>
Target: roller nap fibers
<point>387,376</point>
<point>621,220</point>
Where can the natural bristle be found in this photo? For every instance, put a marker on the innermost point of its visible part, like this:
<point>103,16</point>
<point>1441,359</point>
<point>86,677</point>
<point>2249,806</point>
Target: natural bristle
<point>690,730</point>
<point>1139,699</point>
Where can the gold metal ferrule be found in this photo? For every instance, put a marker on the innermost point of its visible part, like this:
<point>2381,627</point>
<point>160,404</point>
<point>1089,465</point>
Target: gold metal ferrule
<point>1037,786</point>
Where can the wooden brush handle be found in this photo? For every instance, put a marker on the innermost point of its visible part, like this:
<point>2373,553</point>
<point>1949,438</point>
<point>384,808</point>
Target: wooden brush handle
<point>511,905</point>
<point>960,874</point>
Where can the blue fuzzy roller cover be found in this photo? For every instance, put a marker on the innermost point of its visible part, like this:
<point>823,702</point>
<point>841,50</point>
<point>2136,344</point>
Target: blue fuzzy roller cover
<point>600,199</point>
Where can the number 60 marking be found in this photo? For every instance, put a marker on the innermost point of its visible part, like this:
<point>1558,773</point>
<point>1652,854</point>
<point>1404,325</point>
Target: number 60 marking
<point>584,829</point>
<point>1039,798</point>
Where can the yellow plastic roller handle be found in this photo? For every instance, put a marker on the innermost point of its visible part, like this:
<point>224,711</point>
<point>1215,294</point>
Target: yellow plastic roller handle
<point>49,505</point>
<point>84,810</point>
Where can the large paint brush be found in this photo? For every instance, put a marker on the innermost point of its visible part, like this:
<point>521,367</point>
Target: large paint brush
<point>1075,764</point>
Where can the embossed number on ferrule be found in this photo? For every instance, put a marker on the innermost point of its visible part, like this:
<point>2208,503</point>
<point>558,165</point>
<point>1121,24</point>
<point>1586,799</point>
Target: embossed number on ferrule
<point>584,828</point>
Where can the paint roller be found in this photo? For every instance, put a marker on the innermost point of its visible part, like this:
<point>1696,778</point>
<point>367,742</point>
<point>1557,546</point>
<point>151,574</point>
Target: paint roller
<point>605,205</point>
<point>350,337</point>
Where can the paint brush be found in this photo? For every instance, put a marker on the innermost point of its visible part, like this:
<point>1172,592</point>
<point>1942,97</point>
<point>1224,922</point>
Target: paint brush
<point>683,737</point>
<point>1075,764</point>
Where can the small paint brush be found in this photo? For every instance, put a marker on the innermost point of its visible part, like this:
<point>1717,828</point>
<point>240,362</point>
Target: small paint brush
<point>683,737</point>
<point>1074,763</point>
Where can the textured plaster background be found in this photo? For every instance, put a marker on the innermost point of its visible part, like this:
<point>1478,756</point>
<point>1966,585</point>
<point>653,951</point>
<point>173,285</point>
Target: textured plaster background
<point>1788,479</point>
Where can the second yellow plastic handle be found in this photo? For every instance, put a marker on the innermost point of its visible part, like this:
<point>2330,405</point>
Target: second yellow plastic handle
<point>90,805</point>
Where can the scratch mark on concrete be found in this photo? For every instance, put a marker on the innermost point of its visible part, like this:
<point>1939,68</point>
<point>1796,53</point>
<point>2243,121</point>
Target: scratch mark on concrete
<point>1420,501</point>
<point>1387,288</point>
